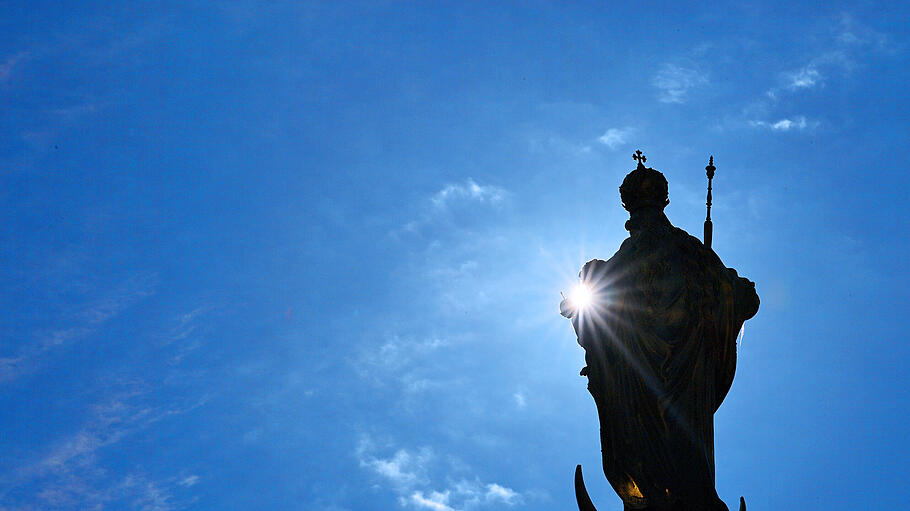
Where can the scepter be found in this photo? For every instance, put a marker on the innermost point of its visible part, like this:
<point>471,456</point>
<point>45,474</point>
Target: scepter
<point>709,227</point>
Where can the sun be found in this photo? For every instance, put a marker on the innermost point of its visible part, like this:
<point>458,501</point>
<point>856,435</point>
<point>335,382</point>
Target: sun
<point>582,296</point>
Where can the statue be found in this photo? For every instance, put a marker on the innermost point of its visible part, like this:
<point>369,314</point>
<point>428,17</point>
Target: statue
<point>659,335</point>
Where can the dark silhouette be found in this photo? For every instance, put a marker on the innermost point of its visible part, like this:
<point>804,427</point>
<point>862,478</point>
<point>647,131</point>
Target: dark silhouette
<point>709,227</point>
<point>660,348</point>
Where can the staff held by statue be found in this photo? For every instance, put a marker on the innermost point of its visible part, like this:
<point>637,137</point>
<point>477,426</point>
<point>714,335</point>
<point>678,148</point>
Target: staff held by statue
<point>709,227</point>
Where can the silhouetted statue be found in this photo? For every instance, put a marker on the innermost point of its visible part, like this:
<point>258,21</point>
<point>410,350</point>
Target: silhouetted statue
<point>660,348</point>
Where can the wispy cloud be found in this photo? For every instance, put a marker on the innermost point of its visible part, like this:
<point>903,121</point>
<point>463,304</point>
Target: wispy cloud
<point>520,400</point>
<point>615,137</point>
<point>794,124</point>
<point>844,45</point>
<point>463,495</point>
<point>850,32</point>
<point>674,82</point>
<point>407,471</point>
<point>77,325</point>
<point>436,501</point>
<point>143,493</point>
<point>558,144</point>
<point>71,474</point>
<point>469,190</point>
<point>404,469</point>
<point>804,78</point>
<point>8,65</point>
<point>189,481</point>
<point>187,333</point>
<point>452,203</point>
<point>400,361</point>
<point>499,493</point>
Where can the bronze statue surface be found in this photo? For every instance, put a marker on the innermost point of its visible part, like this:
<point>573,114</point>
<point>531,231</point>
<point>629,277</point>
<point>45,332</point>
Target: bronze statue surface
<point>660,347</point>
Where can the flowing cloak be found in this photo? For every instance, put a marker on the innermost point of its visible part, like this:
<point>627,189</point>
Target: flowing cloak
<point>660,349</point>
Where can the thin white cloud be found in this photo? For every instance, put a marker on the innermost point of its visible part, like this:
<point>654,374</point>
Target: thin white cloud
<point>787,124</point>
<point>8,65</point>
<point>463,495</point>
<point>804,78</point>
<point>674,83</point>
<point>851,33</point>
<point>398,468</point>
<point>451,200</point>
<point>844,47</point>
<point>407,471</point>
<point>81,323</point>
<point>470,190</point>
<point>615,137</point>
<point>70,474</point>
<point>554,143</point>
<point>400,361</point>
<point>188,481</point>
<point>404,469</point>
<point>74,112</point>
<point>467,495</point>
<point>144,494</point>
<point>847,44</point>
<point>795,124</point>
<point>187,333</point>
<point>436,501</point>
<point>496,492</point>
<point>520,400</point>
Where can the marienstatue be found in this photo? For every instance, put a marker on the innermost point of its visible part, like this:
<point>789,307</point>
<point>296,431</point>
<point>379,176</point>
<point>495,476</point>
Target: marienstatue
<point>659,335</point>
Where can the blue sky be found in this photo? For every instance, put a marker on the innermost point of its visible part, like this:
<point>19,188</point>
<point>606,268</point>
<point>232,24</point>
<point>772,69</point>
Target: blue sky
<point>309,255</point>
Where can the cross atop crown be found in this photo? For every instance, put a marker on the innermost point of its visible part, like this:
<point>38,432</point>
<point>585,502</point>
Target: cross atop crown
<point>640,158</point>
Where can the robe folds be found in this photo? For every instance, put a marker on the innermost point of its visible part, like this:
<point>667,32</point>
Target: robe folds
<point>660,348</point>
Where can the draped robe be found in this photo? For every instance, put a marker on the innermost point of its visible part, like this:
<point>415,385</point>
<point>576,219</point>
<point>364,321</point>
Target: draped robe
<point>660,348</point>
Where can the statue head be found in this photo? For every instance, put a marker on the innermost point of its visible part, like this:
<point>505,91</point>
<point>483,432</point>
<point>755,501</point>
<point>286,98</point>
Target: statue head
<point>644,187</point>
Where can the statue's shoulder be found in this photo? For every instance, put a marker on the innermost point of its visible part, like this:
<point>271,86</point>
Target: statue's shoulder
<point>695,248</point>
<point>682,237</point>
<point>683,234</point>
<point>598,268</point>
<point>592,267</point>
<point>623,256</point>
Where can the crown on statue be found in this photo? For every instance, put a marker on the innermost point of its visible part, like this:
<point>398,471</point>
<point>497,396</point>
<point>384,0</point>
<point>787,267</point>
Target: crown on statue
<point>643,187</point>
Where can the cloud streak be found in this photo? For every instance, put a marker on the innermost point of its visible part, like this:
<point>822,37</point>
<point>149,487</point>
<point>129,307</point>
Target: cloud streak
<point>83,323</point>
<point>846,44</point>
<point>71,474</point>
<point>8,65</point>
<point>403,469</point>
<point>407,471</point>
<point>615,137</point>
<point>804,78</point>
<point>400,361</point>
<point>675,83</point>
<point>797,123</point>
<point>436,501</point>
<point>453,200</point>
<point>469,190</point>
